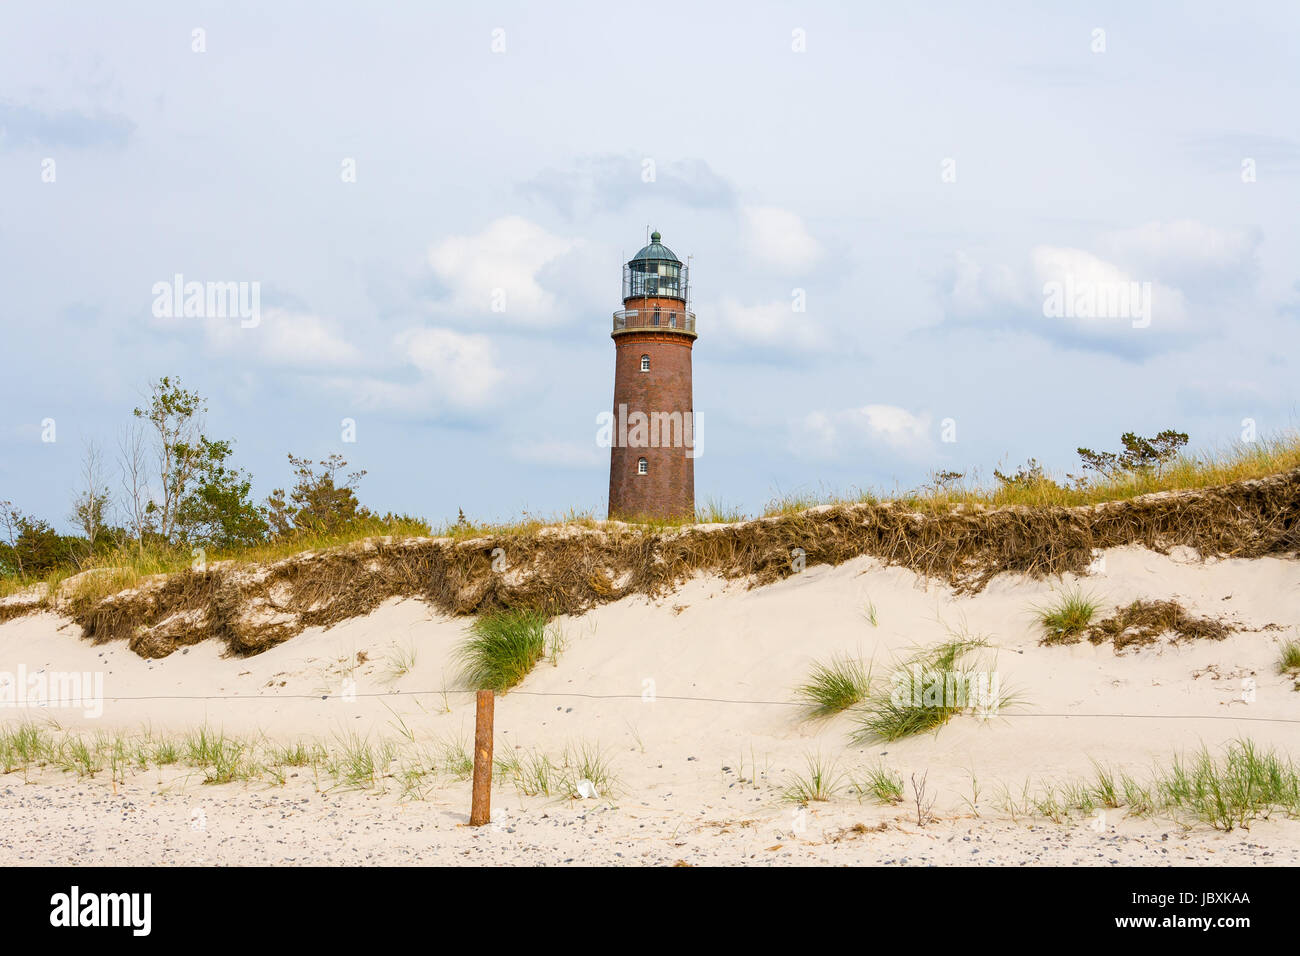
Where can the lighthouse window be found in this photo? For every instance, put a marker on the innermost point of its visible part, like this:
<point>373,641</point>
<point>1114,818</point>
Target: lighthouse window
<point>656,317</point>
<point>672,320</point>
<point>645,363</point>
<point>642,466</point>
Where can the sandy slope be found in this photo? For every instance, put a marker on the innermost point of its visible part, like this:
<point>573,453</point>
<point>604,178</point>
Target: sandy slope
<point>680,762</point>
<point>44,824</point>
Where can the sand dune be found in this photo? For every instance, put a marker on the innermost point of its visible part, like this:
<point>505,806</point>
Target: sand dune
<point>689,696</point>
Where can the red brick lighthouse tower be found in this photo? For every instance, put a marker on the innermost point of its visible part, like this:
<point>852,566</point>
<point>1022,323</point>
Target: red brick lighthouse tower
<point>652,458</point>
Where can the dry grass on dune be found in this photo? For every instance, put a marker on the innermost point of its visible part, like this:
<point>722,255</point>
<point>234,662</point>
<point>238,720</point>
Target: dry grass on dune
<point>128,566</point>
<point>1244,461</point>
<point>569,569</point>
<point>255,599</point>
<point>1142,623</point>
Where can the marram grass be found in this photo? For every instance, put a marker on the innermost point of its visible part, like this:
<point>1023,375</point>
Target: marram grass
<point>878,782</point>
<point>501,648</point>
<point>927,690</point>
<point>835,686</point>
<point>821,782</point>
<point>1064,620</point>
<point>1289,661</point>
<point>1244,784</point>
<point>349,761</point>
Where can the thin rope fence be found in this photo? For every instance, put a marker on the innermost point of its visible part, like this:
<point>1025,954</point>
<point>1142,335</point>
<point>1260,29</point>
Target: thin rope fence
<point>658,697</point>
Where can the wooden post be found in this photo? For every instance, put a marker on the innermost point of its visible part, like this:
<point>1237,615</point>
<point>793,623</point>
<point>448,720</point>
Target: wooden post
<point>481,808</point>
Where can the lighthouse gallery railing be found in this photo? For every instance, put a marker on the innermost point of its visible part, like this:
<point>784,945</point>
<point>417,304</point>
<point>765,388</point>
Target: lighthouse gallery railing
<point>680,320</point>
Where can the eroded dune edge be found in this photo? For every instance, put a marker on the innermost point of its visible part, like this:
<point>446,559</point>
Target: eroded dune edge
<point>566,570</point>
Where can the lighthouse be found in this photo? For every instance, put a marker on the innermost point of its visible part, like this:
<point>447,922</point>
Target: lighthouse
<point>654,441</point>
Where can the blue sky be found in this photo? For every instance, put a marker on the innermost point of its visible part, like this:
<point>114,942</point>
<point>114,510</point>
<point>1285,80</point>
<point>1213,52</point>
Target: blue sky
<point>915,174</point>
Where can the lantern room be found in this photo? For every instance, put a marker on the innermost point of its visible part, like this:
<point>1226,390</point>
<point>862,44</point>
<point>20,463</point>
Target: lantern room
<point>655,272</point>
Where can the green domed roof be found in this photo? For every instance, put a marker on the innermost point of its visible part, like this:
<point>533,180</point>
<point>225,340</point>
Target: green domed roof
<point>656,250</point>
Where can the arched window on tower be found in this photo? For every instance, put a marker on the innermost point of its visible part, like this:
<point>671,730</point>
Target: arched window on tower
<point>642,466</point>
<point>645,363</point>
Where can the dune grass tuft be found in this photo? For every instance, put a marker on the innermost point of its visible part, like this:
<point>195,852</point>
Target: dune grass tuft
<point>454,759</point>
<point>297,754</point>
<point>878,782</point>
<point>835,686</point>
<point>398,662</point>
<point>1065,620</point>
<point>1289,662</point>
<point>77,755</point>
<point>223,759</point>
<point>1245,784</point>
<point>24,746</point>
<point>927,690</point>
<point>713,511</point>
<point>821,782</point>
<point>533,773</point>
<point>502,647</point>
<point>1227,792</point>
<point>587,762</point>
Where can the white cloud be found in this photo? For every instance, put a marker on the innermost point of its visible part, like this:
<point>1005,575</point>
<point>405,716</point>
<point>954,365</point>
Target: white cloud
<point>977,287</point>
<point>584,279</point>
<point>451,368</point>
<point>888,427</point>
<point>1079,274</point>
<point>461,367</point>
<point>893,425</point>
<point>454,370</point>
<point>778,238</point>
<point>282,337</point>
<point>495,272</point>
<point>1183,247</point>
<point>1072,296</point>
<point>769,325</point>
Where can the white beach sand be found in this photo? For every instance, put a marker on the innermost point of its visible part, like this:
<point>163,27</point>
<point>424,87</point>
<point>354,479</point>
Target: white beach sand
<point>721,662</point>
